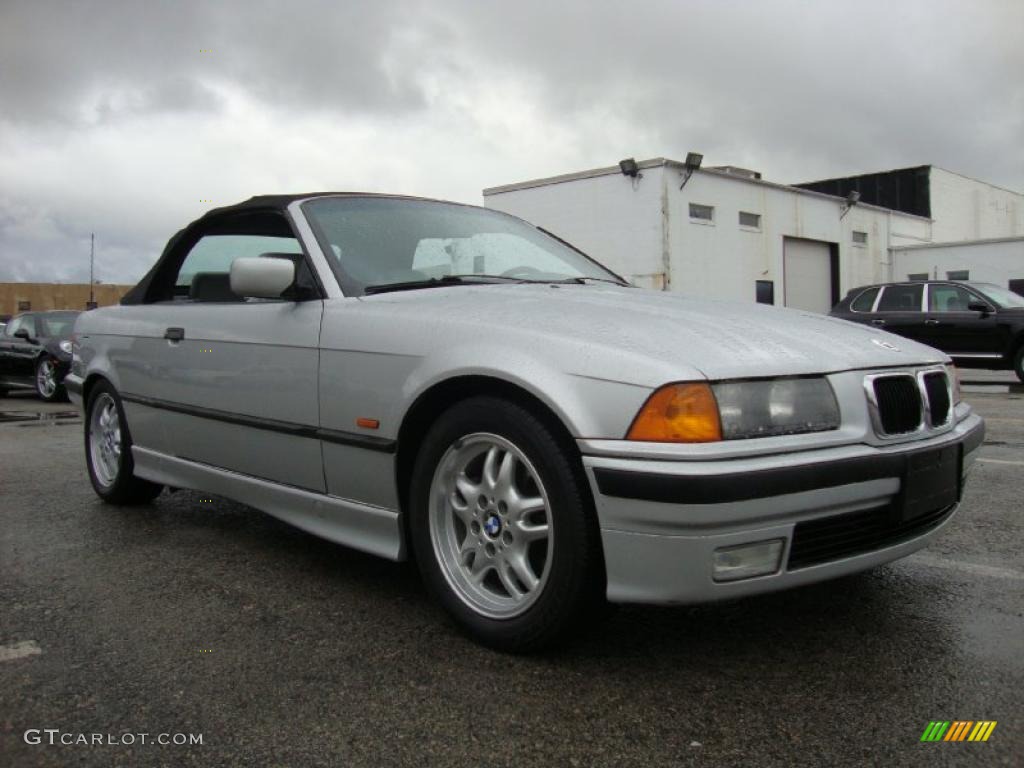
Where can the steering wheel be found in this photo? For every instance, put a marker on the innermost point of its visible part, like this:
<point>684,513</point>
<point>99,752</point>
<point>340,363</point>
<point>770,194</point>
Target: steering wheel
<point>522,271</point>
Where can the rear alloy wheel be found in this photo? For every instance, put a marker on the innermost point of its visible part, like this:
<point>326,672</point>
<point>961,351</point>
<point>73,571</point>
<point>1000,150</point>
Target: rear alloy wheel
<point>108,451</point>
<point>47,386</point>
<point>503,528</point>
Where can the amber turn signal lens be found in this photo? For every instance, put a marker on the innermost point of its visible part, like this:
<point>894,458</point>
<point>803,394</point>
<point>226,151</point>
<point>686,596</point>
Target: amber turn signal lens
<point>678,413</point>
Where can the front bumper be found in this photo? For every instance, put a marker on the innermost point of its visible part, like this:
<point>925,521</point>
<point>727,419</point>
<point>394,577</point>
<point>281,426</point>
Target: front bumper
<point>662,521</point>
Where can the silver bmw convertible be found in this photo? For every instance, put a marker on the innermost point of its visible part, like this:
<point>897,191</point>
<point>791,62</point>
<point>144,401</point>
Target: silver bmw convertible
<point>416,378</point>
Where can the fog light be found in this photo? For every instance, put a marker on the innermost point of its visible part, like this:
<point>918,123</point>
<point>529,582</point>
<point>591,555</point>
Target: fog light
<point>747,560</point>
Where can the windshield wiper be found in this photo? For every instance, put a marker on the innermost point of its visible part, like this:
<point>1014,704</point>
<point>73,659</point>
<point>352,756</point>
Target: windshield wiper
<point>438,282</point>
<point>582,280</point>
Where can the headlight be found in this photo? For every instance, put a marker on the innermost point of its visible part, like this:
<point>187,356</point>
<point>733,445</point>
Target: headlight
<point>65,347</point>
<point>736,410</point>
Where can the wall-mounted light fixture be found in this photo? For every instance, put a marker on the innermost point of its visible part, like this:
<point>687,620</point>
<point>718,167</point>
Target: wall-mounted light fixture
<point>693,161</point>
<point>852,198</point>
<point>629,167</point>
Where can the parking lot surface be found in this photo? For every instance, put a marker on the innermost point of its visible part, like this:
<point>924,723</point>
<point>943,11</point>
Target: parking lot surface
<point>197,615</point>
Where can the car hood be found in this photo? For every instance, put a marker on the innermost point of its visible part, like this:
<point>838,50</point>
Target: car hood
<point>597,330</point>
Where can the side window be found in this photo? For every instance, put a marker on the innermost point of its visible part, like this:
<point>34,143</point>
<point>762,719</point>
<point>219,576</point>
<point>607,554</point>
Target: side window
<point>25,322</point>
<point>205,273</point>
<point>865,301</point>
<point>948,298</point>
<point>901,298</point>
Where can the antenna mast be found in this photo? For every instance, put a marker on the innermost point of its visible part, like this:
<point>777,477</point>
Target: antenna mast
<point>92,257</point>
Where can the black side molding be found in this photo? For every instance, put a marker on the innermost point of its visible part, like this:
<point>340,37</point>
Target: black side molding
<point>744,486</point>
<point>369,442</point>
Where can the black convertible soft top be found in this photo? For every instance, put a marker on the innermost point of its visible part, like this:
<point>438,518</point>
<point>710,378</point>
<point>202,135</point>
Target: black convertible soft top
<point>259,203</point>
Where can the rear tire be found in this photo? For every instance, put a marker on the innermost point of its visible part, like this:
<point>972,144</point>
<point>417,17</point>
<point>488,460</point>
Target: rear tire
<point>502,527</point>
<point>108,451</point>
<point>1018,362</point>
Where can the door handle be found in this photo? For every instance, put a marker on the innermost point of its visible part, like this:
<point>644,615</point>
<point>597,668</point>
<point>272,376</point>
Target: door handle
<point>174,334</point>
<point>878,321</point>
<point>931,321</point>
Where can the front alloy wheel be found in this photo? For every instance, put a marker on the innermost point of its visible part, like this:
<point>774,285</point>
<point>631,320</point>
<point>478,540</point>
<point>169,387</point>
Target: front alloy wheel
<point>47,385</point>
<point>489,525</point>
<point>503,527</point>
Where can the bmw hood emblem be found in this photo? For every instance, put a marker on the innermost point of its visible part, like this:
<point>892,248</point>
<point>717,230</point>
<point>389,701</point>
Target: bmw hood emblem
<point>885,345</point>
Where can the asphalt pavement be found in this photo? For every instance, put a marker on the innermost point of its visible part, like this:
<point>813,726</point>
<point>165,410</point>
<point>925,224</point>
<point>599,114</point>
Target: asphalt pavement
<point>199,616</point>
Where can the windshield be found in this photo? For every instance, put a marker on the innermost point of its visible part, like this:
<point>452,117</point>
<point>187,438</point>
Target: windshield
<point>385,241</point>
<point>56,326</point>
<point>1002,296</point>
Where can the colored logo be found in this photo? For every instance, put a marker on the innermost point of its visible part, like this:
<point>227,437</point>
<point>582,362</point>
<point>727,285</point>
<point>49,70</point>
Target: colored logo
<point>492,525</point>
<point>958,730</point>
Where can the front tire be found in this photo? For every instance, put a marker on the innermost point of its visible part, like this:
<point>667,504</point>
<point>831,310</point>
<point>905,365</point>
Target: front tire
<point>108,451</point>
<point>48,388</point>
<point>502,526</point>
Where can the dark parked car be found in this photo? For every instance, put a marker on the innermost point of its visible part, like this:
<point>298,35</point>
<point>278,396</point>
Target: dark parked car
<point>35,353</point>
<point>979,325</point>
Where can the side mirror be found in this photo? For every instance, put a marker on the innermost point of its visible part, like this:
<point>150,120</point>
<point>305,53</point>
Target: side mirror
<point>21,333</point>
<point>261,278</point>
<point>979,306</point>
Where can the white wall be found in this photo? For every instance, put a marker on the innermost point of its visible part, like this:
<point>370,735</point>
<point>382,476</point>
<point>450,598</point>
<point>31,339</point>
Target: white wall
<point>633,226</point>
<point>612,218</point>
<point>725,260</point>
<point>988,262</point>
<point>966,209</point>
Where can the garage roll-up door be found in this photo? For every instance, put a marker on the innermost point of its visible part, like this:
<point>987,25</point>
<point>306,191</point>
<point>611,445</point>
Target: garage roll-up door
<point>808,279</point>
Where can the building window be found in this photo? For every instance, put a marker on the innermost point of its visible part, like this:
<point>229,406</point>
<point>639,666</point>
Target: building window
<point>1017,286</point>
<point>24,306</point>
<point>860,238</point>
<point>765,292</point>
<point>702,212</point>
<point>752,220</point>
<point>958,274</point>
<point>915,276</point>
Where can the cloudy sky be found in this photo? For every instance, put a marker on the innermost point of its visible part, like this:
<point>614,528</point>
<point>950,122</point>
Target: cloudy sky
<point>130,119</point>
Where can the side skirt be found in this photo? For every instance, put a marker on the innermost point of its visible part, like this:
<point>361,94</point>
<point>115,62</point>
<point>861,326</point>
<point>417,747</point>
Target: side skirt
<point>361,526</point>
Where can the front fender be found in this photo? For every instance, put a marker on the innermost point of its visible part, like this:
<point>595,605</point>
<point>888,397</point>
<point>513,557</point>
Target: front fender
<point>587,406</point>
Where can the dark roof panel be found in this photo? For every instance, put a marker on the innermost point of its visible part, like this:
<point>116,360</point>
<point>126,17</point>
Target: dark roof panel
<point>902,189</point>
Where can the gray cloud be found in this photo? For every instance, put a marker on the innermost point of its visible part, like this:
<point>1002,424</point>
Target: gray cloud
<point>121,117</point>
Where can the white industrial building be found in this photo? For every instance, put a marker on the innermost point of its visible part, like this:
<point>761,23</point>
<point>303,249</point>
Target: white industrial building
<point>725,232</point>
<point>997,260</point>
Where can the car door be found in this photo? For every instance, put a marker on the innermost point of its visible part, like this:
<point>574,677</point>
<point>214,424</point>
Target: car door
<point>233,381</point>
<point>19,354</point>
<point>6,335</point>
<point>950,326</point>
<point>899,310</point>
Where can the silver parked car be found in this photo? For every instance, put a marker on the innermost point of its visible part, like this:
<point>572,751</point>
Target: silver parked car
<point>418,378</point>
